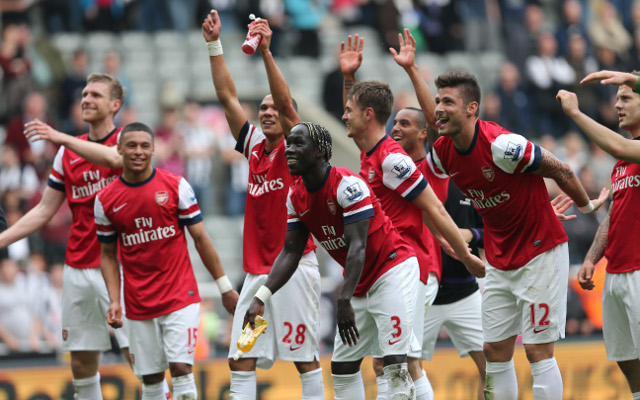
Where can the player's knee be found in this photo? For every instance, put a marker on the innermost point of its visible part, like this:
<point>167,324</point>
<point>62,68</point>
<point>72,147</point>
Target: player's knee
<point>179,369</point>
<point>152,379</point>
<point>308,366</point>
<point>538,352</point>
<point>377,366</point>
<point>497,352</point>
<point>243,364</point>
<point>345,368</point>
<point>84,363</point>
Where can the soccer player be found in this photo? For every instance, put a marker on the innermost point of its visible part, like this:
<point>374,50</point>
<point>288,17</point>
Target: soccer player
<point>376,301</point>
<point>620,308</point>
<point>294,328</point>
<point>402,190</point>
<point>143,214</point>
<point>85,300</point>
<point>526,246</point>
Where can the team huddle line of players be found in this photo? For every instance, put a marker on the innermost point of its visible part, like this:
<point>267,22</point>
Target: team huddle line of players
<point>386,226</point>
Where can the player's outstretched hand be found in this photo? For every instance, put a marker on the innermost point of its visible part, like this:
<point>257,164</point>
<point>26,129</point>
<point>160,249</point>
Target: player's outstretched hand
<point>114,315</point>
<point>346,319</point>
<point>211,27</point>
<point>407,55</point>
<point>604,195</point>
<point>351,56</point>
<point>475,266</point>
<point>569,102</point>
<point>585,275</point>
<point>230,300</point>
<point>261,27</point>
<point>561,204</point>
<point>612,78</point>
<point>37,130</point>
<point>255,308</point>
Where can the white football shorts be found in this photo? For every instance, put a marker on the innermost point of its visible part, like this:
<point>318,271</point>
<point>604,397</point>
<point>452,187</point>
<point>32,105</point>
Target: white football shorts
<point>620,316</point>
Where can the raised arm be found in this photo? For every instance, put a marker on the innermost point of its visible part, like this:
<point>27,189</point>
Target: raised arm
<point>277,83</point>
<point>613,78</point>
<point>568,182</point>
<point>222,80</point>
<point>93,152</point>
<point>36,218</point>
<point>111,275</point>
<point>608,140</point>
<point>211,261</point>
<point>350,61</point>
<point>283,268</point>
<point>435,211</point>
<point>406,58</point>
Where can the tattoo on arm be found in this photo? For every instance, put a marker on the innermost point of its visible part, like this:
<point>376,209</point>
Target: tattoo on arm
<point>596,251</point>
<point>551,167</point>
<point>348,84</point>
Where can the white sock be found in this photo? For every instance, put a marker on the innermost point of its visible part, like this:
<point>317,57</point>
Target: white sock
<point>636,395</point>
<point>243,385</point>
<point>547,381</point>
<point>184,387</point>
<point>424,391</point>
<point>400,382</point>
<point>383,388</point>
<point>502,383</point>
<point>348,387</point>
<point>154,391</point>
<point>88,388</point>
<point>165,389</point>
<point>312,385</point>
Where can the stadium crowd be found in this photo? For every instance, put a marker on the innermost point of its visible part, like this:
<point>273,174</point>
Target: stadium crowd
<point>548,45</point>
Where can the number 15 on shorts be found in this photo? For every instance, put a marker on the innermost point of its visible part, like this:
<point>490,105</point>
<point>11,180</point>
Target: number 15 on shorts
<point>539,317</point>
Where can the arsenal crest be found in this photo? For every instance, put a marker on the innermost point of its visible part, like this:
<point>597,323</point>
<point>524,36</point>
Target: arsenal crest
<point>162,197</point>
<point>488,173</point>
<point>65,334</point>
<point>371,174</point>
<point>332,206</point>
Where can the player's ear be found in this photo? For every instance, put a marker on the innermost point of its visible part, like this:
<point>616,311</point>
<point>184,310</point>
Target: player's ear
<point>369,114</point>
<point>422,134</point>
<point>472,108</point>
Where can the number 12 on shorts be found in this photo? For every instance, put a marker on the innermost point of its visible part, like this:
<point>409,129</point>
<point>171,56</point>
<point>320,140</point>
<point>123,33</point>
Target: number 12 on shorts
<point>542,313</point>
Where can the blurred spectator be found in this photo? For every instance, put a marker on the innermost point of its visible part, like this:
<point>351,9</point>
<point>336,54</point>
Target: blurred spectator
<point>18,251</point>
<point>441,26</point>
<point>16,177</point>
<point>74,82</point>
<point>169,144</point>
<point>515,106</point>
<point>355,12</point>
<point>3,226</point>
<point>153,15</point>
<point>480,24</point>
<point>607,30</point>
<point>16,69</point>
<point>53,320</point>
<point>547,73</point>
<point>103,15</point>
<point>522,23</point>
<point>199,146</point>
<point>19,325</point>
<point>306,17</point>
<point>601,164</point>
<point>111,63</point>
<point>572,23</point>
<point>38,287</point>
<point>491,109</point>
<point>182,14</point>
<point>38,154</point>
<point>574,152</point>
<point>238,179</point>
<point>583,64</point>
<point>15,11</point>
<point>75,124</point>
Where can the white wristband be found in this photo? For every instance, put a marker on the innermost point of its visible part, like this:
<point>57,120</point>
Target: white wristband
<point>588,208</point>
<point>215,48</point>
<point>224,284</point>
<point>263,294</point>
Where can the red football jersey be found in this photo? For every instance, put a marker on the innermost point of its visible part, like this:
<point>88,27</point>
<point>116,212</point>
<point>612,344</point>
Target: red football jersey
<point>344,199</point>
<point>81,181</point>
<point>148,219</point>
<point>396,181</point>
<point>519,222</point>
<point>265,215</point>
<point>625,215</point>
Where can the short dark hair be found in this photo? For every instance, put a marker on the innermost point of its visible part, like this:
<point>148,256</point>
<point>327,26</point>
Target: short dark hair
<point>422,120</point>
<point>134,127</point>
<point>321,137</point>
<point>374,94</point>
<point>466,82</point>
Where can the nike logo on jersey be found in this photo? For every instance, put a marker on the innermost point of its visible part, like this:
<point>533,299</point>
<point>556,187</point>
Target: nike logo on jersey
<point>303,213</point>
<point>454,174</point>
<point>116,209</point>
<point>255,153</point>
<point>394,342</point>
<point>538,330</point>
<point>71,162</point>
<point>294,348</point>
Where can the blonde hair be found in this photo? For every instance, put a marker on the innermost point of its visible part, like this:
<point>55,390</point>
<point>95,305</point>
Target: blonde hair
<point>116,90</point>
